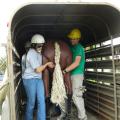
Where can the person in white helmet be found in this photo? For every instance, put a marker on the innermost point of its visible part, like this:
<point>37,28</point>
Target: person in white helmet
<point>32,79</point>
<point>23,66</point>
<point>23,63</point>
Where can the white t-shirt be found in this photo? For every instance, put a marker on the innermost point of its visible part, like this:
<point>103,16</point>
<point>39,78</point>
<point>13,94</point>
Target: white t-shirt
<point>31,62</point>
<point>23,63</point>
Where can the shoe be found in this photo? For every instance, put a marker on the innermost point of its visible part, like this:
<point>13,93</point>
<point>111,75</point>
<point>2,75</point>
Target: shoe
<point>55,114</point>
<point>85,118</point>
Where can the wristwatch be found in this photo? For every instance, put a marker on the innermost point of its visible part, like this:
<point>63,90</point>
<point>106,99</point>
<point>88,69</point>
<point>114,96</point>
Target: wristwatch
<point>64,71</point>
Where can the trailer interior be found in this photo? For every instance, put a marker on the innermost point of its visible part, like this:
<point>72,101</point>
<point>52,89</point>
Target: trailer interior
<point>100,28</point>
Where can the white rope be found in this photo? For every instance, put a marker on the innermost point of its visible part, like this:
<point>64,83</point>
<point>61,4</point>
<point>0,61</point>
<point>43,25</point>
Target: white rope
<point>58,93</point>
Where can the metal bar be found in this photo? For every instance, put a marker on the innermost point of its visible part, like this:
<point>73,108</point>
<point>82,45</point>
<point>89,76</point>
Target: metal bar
<point>100,92</point>
<point>101,112</point>
<point>101,103</point>
<point>102,80</point>
<point>104,64</point>
<point>102,86</point>
<point>15,51</point>
<point>16,64</point>
<point>99,53</point>
<point>17,85</point>
<point>114,80</point>
<point>101,73</point>
<point>103,98</point>
<point>11,79</point>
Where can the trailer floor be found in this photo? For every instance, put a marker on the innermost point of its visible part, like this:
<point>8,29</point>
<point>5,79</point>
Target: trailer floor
<point>91,115</point>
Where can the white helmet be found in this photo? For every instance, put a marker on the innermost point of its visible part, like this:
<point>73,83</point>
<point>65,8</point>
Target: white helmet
<point>37,38</point>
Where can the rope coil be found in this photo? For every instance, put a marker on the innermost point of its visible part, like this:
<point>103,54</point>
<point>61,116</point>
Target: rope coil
<point>58,92</point>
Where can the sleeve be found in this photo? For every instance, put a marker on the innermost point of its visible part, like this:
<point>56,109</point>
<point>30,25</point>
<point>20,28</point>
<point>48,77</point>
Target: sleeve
<point>79,52</point>
<point>23,64</point>
<point>33,59</point>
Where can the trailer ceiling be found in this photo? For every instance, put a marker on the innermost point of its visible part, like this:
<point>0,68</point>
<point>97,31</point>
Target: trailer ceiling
<point>96,22</point>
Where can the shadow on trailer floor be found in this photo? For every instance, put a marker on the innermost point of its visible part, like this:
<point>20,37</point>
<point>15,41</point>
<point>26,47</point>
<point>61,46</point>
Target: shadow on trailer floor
<point>73,115</point>
<point>90,115</point>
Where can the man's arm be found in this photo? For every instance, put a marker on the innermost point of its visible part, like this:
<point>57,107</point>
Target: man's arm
<point>74,64</point>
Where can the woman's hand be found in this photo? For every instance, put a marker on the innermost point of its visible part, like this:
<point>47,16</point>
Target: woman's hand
<point>50,65</point>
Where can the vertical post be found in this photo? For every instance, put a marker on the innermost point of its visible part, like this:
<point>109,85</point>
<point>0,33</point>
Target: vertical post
<point>11,79</point>
<point>114,80</point>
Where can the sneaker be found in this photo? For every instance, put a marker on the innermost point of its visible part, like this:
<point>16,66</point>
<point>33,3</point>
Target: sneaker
<point>85,118</point>
<point>55,114</point>
<point>62,116</point>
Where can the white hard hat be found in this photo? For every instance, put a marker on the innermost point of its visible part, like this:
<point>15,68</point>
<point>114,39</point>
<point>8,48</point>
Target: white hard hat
<point>37,38</point>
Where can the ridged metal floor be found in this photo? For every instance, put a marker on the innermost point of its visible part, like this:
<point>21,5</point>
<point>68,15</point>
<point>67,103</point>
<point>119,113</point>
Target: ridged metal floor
<point>90,116</point>
<point>73,116</point>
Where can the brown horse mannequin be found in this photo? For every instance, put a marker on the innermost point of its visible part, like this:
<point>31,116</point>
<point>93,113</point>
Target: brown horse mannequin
<point>65,60</point>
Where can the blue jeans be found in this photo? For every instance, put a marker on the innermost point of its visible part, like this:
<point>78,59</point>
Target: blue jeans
<point>35,89</point>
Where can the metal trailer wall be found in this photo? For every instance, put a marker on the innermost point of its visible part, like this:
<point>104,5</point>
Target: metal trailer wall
<point>18,89</point>
<point>100,84</point>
